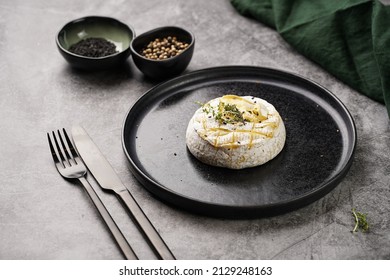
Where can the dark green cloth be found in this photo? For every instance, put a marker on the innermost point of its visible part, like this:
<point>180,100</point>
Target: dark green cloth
<point>350,38</point>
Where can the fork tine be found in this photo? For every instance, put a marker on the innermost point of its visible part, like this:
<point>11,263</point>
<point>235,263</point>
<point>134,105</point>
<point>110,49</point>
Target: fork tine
<point>65,147</point>
<point>52,150</point>
<point>60,152</point>
<point>70,145</point>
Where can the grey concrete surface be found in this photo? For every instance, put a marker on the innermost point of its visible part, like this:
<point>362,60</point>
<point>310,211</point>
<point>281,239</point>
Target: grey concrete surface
<point>42,216</point>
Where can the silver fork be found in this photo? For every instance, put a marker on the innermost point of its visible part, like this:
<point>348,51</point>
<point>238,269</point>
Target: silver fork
<point>70,166</point>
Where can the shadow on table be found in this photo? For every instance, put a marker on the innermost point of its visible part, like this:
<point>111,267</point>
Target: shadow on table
<point>109,77</point>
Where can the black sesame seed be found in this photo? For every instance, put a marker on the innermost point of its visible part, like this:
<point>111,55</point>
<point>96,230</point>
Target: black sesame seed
<point>93,47</point>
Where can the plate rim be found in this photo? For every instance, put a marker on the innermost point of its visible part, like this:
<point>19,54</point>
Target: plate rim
<point>162,191</point>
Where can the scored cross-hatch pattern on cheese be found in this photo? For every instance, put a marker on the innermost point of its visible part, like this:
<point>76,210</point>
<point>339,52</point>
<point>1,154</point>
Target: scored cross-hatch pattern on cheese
<point>259,123</point>
<point>254,139</point>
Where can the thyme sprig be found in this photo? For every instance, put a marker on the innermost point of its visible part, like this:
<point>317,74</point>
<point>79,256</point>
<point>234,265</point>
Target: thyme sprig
<point>360,221</point>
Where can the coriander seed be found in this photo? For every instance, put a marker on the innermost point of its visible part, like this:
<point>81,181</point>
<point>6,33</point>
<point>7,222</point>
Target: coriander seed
<point>164,48</point>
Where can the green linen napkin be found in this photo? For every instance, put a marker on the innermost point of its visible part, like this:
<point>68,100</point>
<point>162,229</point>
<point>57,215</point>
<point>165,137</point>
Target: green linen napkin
<point>349,38</point>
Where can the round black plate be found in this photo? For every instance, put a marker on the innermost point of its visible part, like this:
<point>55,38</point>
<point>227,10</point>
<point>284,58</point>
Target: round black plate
<point>320,144</point>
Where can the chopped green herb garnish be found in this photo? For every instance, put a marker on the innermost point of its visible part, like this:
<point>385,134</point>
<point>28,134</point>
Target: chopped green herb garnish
<point>229,113</point>
<point>225,113</point>
<point>199,103</point>
<point>360,221</point>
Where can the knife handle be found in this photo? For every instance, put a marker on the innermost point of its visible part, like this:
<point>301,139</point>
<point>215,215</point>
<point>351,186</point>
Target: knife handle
<point>116,232</point>
<point>146,226</point>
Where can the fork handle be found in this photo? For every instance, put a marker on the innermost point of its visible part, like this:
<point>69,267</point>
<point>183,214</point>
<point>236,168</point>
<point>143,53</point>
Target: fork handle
<point>146,226</point>
<point>116,232</point>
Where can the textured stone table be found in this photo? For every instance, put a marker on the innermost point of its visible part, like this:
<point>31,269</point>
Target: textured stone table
<point>42,216</point>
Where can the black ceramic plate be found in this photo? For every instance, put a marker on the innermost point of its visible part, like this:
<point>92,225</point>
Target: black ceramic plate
<point>319,147</point>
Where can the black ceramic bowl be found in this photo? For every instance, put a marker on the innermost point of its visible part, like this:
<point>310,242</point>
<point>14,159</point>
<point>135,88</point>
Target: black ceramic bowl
<point>107,28</point>
<point>165,68</point>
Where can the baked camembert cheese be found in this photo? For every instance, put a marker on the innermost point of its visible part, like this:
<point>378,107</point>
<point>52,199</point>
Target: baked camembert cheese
<point>236,132</point>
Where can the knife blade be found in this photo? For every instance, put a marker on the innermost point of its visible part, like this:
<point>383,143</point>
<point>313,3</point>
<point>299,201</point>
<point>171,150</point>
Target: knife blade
<point>107,178</point>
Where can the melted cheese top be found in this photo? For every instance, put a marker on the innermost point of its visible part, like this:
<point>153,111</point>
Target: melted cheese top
<point>260,121</point>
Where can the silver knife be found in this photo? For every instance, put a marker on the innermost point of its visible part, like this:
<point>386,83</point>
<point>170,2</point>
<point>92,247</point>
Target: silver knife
<point>105,175</point>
